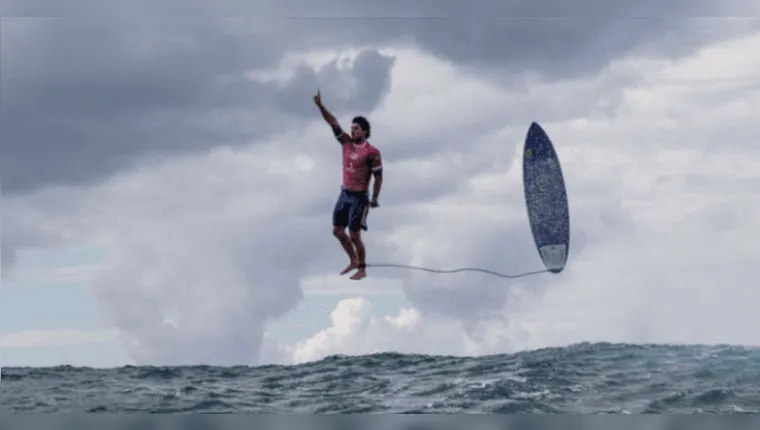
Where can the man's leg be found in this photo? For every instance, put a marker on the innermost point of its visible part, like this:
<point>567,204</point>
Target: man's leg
<point>340,222</point>
<point>361,255</point>
<point>348,246</point>
<point>358,222</point>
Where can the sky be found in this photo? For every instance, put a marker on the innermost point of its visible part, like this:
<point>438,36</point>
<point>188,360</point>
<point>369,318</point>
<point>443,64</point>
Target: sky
<point>167,184</point>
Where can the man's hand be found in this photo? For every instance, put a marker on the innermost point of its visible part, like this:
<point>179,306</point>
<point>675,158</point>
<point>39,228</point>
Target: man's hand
<point>318,99</point>
<point>374,203</point>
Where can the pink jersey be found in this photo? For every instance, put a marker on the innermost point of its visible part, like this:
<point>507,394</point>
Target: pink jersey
<point>359,161</point>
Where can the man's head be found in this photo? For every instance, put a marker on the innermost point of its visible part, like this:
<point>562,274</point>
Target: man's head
<point>360,129</point>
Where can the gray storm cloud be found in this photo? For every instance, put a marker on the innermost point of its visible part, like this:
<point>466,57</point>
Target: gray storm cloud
<point>83,99</point>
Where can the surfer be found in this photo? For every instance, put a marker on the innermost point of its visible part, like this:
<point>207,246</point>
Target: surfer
<point>361,161</point>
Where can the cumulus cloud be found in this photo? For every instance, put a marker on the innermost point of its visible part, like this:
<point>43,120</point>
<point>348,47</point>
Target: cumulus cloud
<point>208,246</point>
<point>356,329</point>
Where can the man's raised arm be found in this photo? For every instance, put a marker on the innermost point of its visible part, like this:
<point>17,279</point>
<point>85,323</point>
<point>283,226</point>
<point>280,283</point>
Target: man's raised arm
<point>341,135</point>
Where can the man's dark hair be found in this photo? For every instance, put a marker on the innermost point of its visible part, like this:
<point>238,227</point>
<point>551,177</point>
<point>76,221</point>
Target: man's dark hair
<point>363,124</point>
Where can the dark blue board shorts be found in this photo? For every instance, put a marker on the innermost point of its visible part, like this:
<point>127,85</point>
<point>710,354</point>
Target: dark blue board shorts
<point>351,210</point>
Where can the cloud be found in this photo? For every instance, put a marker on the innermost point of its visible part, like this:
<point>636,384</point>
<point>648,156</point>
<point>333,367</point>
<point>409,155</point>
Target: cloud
<point>356,330</point>
<point>29,226</point>
<point>207,247</point>
<point>85,98</point>
<point>106,97</point>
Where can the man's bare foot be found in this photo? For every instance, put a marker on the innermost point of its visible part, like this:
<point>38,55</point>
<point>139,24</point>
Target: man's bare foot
<point>360,274</point>
<point>353,265</point>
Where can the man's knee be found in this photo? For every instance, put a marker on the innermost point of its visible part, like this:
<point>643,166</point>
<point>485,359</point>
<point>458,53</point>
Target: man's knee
<point>339,232</point>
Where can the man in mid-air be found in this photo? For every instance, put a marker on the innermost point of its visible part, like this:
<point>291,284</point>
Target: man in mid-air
<point>361,161</point>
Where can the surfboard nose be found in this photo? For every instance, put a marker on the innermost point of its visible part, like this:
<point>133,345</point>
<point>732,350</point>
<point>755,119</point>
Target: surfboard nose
<point>536,132</point>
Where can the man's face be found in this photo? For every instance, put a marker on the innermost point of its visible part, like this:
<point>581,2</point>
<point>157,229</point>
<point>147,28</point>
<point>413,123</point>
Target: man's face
<point>357,134</point>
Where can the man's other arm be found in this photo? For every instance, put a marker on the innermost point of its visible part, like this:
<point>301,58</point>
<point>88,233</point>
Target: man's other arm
<point>377,173</point>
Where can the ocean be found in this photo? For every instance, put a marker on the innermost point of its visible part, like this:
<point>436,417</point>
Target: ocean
<point>600,378</point>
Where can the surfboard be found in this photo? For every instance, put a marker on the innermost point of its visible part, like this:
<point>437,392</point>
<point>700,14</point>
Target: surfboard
<point>546,199</point>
